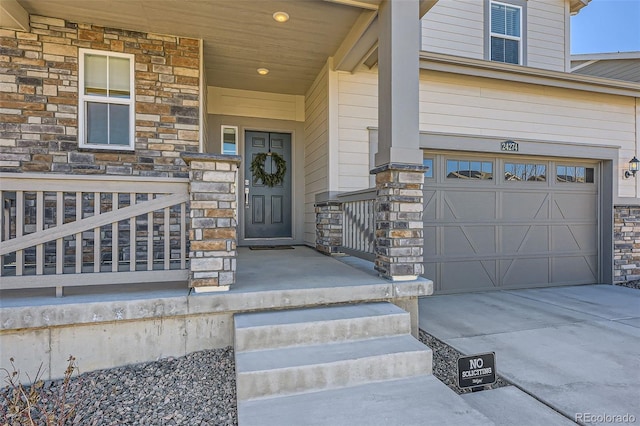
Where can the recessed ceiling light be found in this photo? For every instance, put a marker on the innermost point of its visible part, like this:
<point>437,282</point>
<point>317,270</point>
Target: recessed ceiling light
<point>281,16</point>
<point>263,71</point>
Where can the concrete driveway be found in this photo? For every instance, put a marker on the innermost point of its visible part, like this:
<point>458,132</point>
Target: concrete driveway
<point>575,349</point>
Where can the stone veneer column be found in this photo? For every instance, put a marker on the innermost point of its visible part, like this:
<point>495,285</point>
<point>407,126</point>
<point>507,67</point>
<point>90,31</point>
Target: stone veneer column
<point>328,226</point>
<point>626,246</point>
<point>214,220</point>
<point>399,227</point>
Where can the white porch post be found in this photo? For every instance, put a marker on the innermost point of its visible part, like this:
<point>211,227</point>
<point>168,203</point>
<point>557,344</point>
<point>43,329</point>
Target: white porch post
<point>398,83</point>
<point>399,171</point>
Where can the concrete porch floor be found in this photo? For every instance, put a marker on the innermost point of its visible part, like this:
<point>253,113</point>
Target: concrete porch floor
<point>99,324</point>
<point>301,269</point>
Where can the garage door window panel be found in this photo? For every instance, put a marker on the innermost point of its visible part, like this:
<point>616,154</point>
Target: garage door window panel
<point>472,170</point>
<point>575,174</point>
<point>521,172</point>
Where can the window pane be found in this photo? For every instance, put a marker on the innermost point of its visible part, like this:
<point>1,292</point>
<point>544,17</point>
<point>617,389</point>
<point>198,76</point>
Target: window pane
<point>589,175</point>
<point>497,49</point>
<point>487,170</point>
<point>512,26</point>
<point>119,124</point>
<point>428,162</point>
<point>463,169</point>
<point>452,169</point>
<point>229,141</point>
<point>97,119</point>
<point>511,51</point>
<point>95,75</point>
<point>510,171</point>
<point>561,173</point>
<point>542,173</point>
<point>476,169</point>
<point>498,18</point>
<point>119,78</point>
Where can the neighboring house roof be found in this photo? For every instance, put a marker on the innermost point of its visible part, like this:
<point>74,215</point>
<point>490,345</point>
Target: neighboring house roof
<point>576,5</point>
<point>619,66</point>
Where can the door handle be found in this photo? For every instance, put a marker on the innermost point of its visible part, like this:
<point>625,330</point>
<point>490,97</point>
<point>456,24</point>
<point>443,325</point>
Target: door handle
<point>246,193</point>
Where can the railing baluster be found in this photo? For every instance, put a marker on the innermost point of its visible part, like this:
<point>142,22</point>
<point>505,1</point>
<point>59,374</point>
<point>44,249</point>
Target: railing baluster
<point>97,246</point>
<point>79,234</point>
<point>167,239</point>
<point>132,235</point>
<point>365,229</point>
<point>183,236</point>
<point>19,231</point>
<point>115,256</point>
<point>39,227</point>
<point>149,237</point>
<point>59,241</point>
<point>354,223</point>
<point>360,221</point>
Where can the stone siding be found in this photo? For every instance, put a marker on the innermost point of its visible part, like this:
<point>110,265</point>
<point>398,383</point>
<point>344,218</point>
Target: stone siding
<point>399,227</point>
<point>39,100</point>
<point>213,233</point>
<point>626,246</point>
<point>329,227</point>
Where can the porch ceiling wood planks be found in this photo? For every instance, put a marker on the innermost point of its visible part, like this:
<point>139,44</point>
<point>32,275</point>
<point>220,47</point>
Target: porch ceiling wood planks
<point>239,36</point>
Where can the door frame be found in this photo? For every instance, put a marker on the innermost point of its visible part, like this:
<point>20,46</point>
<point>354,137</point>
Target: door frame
<point>242,239</point>
<point>243,185</point>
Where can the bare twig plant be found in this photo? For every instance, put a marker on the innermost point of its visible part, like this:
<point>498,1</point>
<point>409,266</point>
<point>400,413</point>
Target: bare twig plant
<point>33,405</point>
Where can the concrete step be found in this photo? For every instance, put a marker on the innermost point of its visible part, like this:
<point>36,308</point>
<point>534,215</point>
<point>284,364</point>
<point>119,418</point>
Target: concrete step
<point>277,329</point>
<point>307,368</point>
<point>420,401</point>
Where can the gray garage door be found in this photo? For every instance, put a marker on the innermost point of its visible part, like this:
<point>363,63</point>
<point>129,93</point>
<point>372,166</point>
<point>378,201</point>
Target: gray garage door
<point>509,222</point>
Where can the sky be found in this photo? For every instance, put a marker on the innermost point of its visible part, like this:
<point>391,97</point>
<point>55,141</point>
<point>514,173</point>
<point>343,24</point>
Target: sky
<point>606,26</point>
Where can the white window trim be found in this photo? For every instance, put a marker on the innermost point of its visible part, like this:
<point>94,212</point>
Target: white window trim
<point>222,128</point>
<point>83,98</point>
<point>508,37</point>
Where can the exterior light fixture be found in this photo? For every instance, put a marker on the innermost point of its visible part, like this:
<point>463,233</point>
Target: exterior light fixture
<point>281,17</point>
<point>633,167</point>
<point>263,71</point>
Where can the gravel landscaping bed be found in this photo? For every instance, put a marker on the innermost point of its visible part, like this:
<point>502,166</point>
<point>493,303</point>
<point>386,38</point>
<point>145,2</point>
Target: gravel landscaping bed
<point>630,284</point>
<point>445,364</point>
<point>197,389</point>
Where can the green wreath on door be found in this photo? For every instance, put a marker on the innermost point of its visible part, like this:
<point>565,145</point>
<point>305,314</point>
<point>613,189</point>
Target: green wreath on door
<point>269,179</point>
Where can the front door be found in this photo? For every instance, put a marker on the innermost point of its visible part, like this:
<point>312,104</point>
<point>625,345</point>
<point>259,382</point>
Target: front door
<point>267,208</point>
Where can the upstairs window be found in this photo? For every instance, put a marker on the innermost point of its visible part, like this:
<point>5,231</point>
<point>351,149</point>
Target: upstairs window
<point>106,95</point>
<point>505,33</point>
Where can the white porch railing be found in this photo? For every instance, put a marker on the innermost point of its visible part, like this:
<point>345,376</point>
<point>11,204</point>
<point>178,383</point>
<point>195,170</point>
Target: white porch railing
<point>60,230</point>
<point>359,223</point>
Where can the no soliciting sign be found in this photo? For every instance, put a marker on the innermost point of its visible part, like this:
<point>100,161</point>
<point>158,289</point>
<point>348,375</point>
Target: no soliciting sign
<point>477,370</point>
